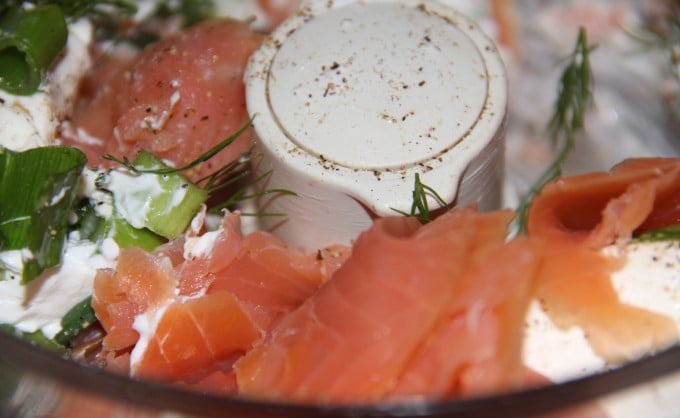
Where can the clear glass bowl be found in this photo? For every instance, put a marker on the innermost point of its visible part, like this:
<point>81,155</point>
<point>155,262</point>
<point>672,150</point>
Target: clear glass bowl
<point>37,383</point>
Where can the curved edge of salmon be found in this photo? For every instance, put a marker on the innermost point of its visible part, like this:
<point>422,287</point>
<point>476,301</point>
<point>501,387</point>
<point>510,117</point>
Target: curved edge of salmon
<point>578,216</point>
<point>604,208</point>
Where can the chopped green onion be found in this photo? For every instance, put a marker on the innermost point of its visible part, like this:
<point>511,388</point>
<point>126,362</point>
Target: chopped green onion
<point>30,40</point>
<point>88,223</point>
<point>168,217</point>
<point>76,319</point>
<point>670,233</point>
<point>127,235</point>
<point>94,228</point>
<point>166,199</point>
<point>38,188</point>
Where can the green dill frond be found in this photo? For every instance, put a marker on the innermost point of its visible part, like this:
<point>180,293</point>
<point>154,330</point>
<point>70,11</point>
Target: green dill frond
<point>420,207</point>
<point>574,96</point>
<point>169,170</point>
<point>236,177</point>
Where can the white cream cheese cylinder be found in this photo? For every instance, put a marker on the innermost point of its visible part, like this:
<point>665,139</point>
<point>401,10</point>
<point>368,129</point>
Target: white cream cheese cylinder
<point>351,99</point>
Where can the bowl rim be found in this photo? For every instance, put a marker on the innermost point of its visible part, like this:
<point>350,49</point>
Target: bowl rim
<point>23,356</point>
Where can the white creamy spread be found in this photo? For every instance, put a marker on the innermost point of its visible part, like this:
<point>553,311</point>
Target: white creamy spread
<point>41,304</point>
<point>133,195</point>
<point>649,280</point>
<point>145,324</point>
<point>13,262</point>
<point>201,246</point>
<point>31,121</point>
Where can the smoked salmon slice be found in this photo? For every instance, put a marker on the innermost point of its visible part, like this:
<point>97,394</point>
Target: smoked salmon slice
<point>195,336</point>
<point>177,99</point>
<point>201,302</point>
<point>351,341</point>
<point>476,346</point>
<point>576,217</point>
<point>603,207</point>
<point>410,312</point>
<point>141,281</point>
<point>268,276</point>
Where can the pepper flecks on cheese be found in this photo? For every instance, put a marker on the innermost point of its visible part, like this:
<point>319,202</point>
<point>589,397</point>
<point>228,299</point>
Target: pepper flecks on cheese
<point>650,279</point>
<point>32,121</point>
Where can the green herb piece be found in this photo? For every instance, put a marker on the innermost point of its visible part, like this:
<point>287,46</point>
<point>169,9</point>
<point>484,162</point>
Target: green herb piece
<point>164,200</point>
<point>167,216</point>
<point>126,235</point>
<point>30,40</point>
<point>248,191</point>
<point>670,233</point>
<point>38,188</point>
<point>76,319</point>
<point>574,97</point>
<point>420,208</point>
<point>94,228</point>
<point>36,338</point>
<point>236,174</point>
<point>90,226</point>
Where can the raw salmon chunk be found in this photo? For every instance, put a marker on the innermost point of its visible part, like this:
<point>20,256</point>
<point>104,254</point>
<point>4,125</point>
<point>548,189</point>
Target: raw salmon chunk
<point>141,281</point>
<point>194,336</point>
<point>177,99</point>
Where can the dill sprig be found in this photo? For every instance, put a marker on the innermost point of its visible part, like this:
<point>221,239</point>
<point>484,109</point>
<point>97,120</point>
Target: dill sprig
<point>420,207</point>
<point>249,191</point>
<point>574,96</point>
<point>237,174</point>
<point>169,170</point>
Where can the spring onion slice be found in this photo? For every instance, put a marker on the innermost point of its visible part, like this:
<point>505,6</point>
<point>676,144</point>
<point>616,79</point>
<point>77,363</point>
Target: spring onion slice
<point>30,40</point>
<point>76,319</point>
<point>670,233</point>
<point>38,188</point>
<point>152,195</point>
